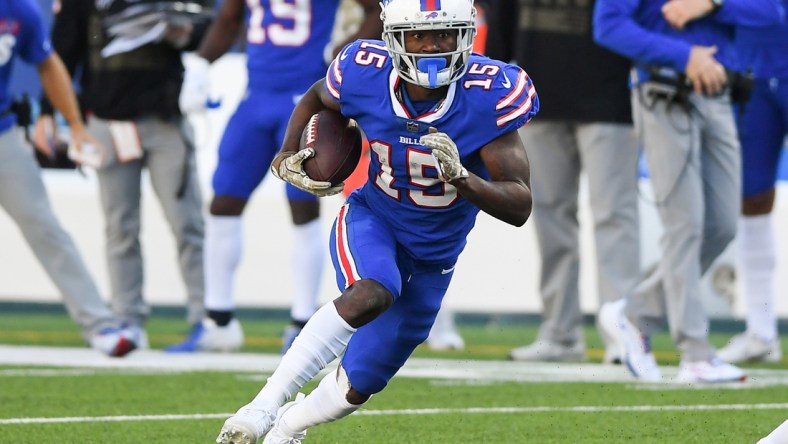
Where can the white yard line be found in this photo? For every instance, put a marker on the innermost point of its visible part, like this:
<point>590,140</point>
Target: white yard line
<point>78,362</point>
<point>470,410</point>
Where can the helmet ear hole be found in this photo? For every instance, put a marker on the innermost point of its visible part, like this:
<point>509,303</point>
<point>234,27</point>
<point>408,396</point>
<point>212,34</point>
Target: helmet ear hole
<point>401,16</point>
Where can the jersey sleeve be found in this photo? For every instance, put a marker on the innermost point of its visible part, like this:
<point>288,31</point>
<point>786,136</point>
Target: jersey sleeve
<point>34,45</point>
<point>518,101</point>
<point>335,71</point>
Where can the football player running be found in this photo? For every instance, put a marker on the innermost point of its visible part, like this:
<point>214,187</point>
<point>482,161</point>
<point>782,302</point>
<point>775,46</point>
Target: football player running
<point>442,125</point>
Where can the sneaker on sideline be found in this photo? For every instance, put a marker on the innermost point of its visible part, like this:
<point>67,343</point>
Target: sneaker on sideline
<point>612,356</point>
<point>112,342</point>
<point>276,435</point>
<point>445,340</point>
<point>747,347</point>
<point>709,372</point>
<point>247,425</point>
<point>206,335</point>
<point>612,350</point>
<point>543,350</point>
<point>634,345</point>
<point>444,334</point>
<point>289,335</point>
<point>137,334</point>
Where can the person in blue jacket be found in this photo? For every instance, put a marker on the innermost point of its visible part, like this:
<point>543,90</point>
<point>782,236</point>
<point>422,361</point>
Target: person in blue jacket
<point>684,77</point>
<point>763,125</point>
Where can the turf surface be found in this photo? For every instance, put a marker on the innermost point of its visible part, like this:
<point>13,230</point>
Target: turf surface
<point>144,406</point>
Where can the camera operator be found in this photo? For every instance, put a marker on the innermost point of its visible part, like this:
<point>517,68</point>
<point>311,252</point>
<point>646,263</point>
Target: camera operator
<point>129,55</point>
<point>682,52</point>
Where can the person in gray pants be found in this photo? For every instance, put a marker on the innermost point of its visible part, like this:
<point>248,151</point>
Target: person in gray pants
<point>683,88</point>
<point>131,96</point>
<point>22,192</point>
<point>585,132</point>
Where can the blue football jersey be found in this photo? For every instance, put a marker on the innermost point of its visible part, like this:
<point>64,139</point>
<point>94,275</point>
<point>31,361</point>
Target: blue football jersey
<point>22,34</point>
<point>430,219</point>
<point>275,28</point>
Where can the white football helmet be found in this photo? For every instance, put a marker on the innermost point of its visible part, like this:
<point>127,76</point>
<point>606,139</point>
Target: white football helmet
<point>400,16</point>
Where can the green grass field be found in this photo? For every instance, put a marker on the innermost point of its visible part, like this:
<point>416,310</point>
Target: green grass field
<point>473,396</point>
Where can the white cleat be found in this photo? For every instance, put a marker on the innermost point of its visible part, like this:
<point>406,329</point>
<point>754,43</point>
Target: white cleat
<point>247,425</point>
<point>208,336</point>
<point>709,372</point>
<point>543,350</point>
<point>277,435</point>
<point>634,345</point>
<point>747,347</point>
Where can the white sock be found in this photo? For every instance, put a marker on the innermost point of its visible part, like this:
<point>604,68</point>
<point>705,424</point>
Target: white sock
<point>222,253</point>
<point>758,264</point>
<point>308,260</point>
<point>326,403</point>
<point>778,436</point>
<point>321,341</point>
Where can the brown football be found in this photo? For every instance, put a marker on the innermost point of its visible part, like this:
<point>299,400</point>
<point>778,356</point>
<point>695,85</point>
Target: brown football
<point>337,144</point>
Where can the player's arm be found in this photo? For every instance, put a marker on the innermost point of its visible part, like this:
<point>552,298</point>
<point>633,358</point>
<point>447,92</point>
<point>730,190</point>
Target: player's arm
<point>507,195</point>
<point>315,100</point>
<point>219,38</point>
<point>57,86</point>
<point>287,165</point>
<point>223,32</point>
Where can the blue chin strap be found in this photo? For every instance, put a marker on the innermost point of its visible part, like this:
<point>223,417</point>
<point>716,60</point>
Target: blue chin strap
<point>431,65</point>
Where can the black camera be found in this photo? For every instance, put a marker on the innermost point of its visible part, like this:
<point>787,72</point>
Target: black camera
<point>741,84</point>
<point>669,84</point>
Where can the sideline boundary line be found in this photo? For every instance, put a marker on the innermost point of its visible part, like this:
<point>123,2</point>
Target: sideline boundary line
<point>74,361</point>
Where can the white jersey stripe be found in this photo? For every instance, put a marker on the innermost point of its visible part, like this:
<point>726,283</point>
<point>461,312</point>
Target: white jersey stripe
<point>331,78</point>
<point>344,256</point>
<point>522,80</point>
<point>520,110</point>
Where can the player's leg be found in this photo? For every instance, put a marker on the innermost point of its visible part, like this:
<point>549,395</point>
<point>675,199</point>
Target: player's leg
<point>307,260</point>
<point>609,155</point>
<point>364,257</point>
<point>23,196</point>
<point>552,146</point>
<point>762,128</point>
<point>374,355</point>
<point>241,166</point>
